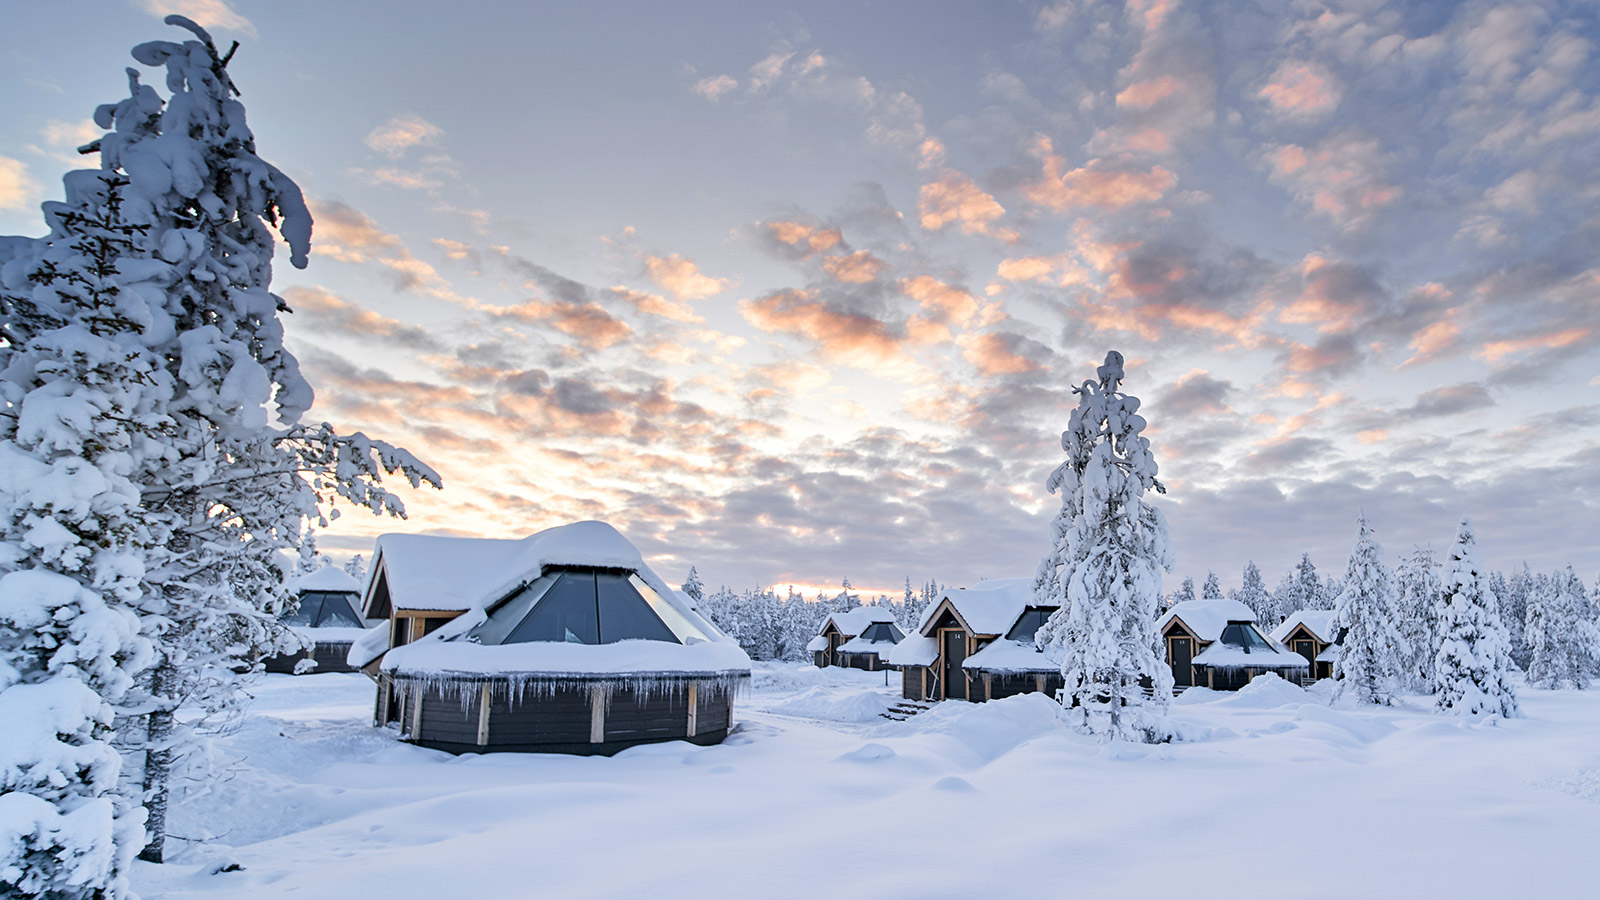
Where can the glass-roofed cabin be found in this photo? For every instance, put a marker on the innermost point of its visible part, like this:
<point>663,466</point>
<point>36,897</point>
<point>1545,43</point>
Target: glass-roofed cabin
<point>1215,644</point>
<point>324,614</point>
<point>564,641</point>
<point>857,639</point>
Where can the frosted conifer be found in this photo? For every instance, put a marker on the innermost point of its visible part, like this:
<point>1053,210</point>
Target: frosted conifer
<point>1561,634</point>
<point>1117,684</point>
<point>1472,662</point>
<point>1253,593</point>
<point>693,588</point>
<point>357,568</point>
<point>1212,590</point>
<point>1374,649</point>
<point>1418,613</point>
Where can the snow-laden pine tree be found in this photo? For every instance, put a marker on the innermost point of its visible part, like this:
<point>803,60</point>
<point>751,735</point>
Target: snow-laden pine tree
<point>224,492</point>
<point>1472,663</point>
<point>1253,593</point>
<point>1184,593</point>
<point>1515,595</point>
<point>83,398</point>
<point>1212,590</point>
<point>693,588</point>
<point>356,568</point>
<point>1306,589</point>
<point>1117,684</point>
<point>1561,634</point>
<point>1374,651</point>
<point>1420,592</point>
<point>308,560</point>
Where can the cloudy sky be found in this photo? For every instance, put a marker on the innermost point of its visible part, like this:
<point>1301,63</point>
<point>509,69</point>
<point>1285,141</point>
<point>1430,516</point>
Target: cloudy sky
<point>800,295</point>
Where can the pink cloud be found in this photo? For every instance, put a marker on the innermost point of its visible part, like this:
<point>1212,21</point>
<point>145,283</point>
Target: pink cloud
<point>945,302</point>
<point>588,322</point>
<point>1301,90</point>
<point>859,267</point>
<point>681,278</point>
<point>955,198</point>
<point>1096,183</point>
<point>1145,94</point>
<point>1494,351</point>
<point>845,337</point>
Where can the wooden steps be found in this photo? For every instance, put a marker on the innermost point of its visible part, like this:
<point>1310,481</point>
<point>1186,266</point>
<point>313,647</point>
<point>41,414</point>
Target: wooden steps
<point>905,709</point>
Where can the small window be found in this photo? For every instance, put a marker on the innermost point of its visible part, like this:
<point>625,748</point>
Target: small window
<point>309,606</point>
<point>566,613</point>
<point>1244,636</point>
<point>337,612</point>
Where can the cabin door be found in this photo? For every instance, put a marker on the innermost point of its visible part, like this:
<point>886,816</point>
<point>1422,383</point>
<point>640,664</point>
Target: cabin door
<point>1308,650</point>
<point>833,649</point>
<point>954,654</point>
<point>1182,650</point>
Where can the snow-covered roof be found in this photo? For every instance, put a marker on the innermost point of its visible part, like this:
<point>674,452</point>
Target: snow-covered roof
<point>1330,653</point>
<point>856,620</point>
<point>1317,621</point>
<point>817,643</point>
<point>327,578</point>
<point>915,650</point>
<point>429,572</point>
<point>444,659</point>
<point>368,646</point>
<point>330,634</point>
<point>860,645</point>
<point>1205,619</point>
<point>988,607</point>
<point>1011,656</point>
<point>1228,656</point>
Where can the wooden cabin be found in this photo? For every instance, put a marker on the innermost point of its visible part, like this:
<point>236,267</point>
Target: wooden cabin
<point>976,644</point>
<point>1310,633</point>
<point>857,639</point>
<point>564,641</point>
<point>324,616</point>
<point>1216,644</point>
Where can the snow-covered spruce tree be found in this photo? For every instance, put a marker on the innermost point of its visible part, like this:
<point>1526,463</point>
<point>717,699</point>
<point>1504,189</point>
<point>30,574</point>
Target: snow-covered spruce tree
<point>1515,595</point>
<point>356,568</point>
<point>1306,589</point>
<point>1561,634</point>
<point>1374,651</point>
<point>693,588</point>
<point>1212,590</point>
<point>1471,665</point>
<point>1184,593</point>
<point>81,403</point>
<point>1117,683</point>
<point>1253,593</point>
<point>226,492</point>
<point>1420,593</point>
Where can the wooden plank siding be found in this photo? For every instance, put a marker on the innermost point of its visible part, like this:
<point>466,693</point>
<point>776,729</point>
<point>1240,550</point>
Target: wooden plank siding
<point>566,720</point>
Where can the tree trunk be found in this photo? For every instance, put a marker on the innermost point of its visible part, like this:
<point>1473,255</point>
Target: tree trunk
<point>158,760</point>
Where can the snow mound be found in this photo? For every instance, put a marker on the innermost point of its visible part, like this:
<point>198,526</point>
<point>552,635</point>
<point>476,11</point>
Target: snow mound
<point>1267,691</point>
<point>989,729</point>
<point>783,678</point>
<point>1364,729</point>
<point>836,706</point>
<point>1197,695</point>
<point>868,753</point>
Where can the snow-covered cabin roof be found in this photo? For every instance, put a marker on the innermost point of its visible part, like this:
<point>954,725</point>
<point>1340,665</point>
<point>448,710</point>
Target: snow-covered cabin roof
<point>1011,656</point>
<point>988,607</point>
<point>915,650</point>
<point>1227,656</point>
<point>1205,619</point>
<point>1317,621</point>
<point>856,620</point>
<point>817,643</point>
<point>453,574</point>
<point>327,578</point>
<point>1330,653</point>
<point>860,643</point>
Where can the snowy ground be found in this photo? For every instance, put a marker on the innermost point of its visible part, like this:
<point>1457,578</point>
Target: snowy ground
<point>1274,794</point>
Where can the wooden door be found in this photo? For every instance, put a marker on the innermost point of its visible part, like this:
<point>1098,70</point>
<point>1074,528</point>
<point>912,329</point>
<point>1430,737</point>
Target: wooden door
<point>1182,651</point>
<point>834,640</point>
<point>953,654</point>
<point>1308,649</point>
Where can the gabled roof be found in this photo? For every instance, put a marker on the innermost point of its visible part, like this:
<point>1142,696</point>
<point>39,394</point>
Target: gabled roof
<point>1317,621</point>
<point>454,574</point>
<point>988,607</point>
<point>860,644</point>
<point>327,578</point>
<point>856,620</point>
<point>1227,656</point>
<point>1205,619</point>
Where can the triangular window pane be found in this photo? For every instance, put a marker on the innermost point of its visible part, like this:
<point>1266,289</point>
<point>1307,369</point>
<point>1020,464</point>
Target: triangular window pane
<point>337,612</point>
<point>310,607</point>
<point>624,614</point>
<point>566,613</point>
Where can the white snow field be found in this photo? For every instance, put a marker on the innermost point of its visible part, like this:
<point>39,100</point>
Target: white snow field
<point>1270,793</point>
